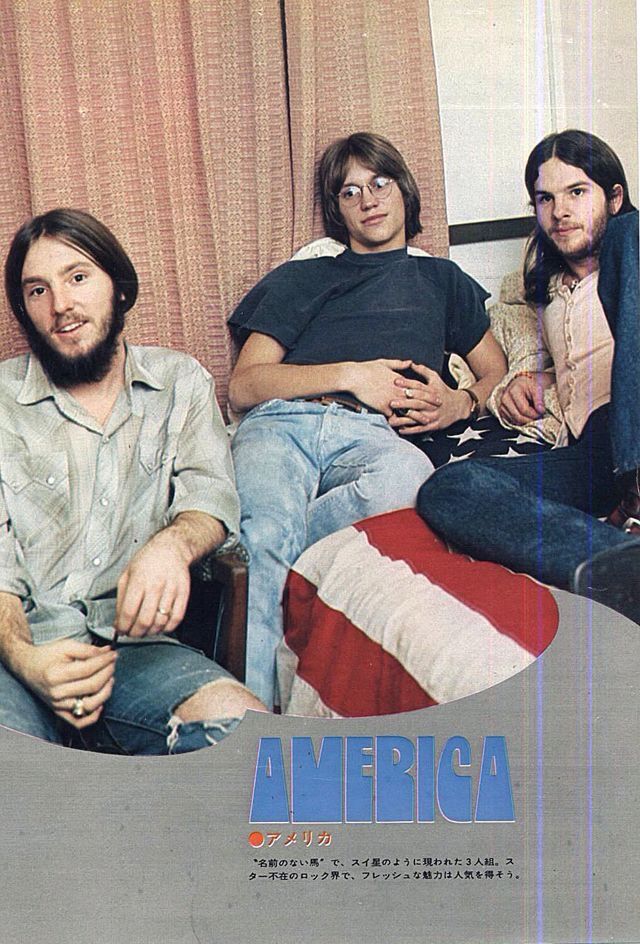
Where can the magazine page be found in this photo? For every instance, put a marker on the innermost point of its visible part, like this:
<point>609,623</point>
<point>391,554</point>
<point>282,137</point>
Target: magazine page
<point>454,757</point>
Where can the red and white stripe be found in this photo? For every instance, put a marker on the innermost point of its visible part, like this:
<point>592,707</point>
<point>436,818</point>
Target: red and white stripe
<point>380,618</point>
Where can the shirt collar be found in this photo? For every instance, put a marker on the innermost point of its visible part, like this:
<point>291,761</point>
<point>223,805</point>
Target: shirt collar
<point>37,386</point>
<point>384,257</point>
<point>557,286</point>
<point>136,372</point>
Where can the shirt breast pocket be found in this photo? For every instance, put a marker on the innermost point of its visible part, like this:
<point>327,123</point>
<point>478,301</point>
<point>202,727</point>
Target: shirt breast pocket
<point>154,481</point>
<point>36,493</point>
<point>153,457</point>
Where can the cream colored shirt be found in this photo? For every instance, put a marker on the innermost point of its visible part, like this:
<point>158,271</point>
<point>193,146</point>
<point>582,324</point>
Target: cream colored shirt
<point>577,335</point>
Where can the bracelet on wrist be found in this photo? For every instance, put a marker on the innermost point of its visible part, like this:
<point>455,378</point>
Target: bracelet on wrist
<point>475,403</point>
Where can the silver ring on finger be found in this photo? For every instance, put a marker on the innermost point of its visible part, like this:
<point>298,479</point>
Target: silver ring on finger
<point>162,611</point>
<point>408,392</point>
<point>78,710</point>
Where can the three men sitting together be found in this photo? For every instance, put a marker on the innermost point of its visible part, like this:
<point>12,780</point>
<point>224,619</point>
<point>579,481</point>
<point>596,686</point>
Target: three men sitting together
<point>115,467</point>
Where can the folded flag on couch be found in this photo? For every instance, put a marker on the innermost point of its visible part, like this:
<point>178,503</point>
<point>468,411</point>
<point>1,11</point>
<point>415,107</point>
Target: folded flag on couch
<point>381,617</point>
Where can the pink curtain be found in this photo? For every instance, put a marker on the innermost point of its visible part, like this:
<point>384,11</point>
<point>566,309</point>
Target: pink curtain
<point>168,121</point>
<point>365,66</point>
<point>178,122</point>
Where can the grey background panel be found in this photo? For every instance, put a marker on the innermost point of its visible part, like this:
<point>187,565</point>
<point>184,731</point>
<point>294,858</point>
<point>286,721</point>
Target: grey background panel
<point>109,850</point>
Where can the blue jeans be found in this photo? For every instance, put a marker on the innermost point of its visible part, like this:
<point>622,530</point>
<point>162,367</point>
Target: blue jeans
<point>535,514</point>
<point>152,679</point>
<point>303,471</point>
<point>618,290</point>
<point>538,514</point>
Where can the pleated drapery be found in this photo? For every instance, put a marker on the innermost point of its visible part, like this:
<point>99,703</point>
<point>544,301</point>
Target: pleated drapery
<point>365,66</point>
<point>192,129</point>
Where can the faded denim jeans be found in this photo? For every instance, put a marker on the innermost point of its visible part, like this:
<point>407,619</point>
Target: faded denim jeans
<point>152,679</point>
<point>303,471</point>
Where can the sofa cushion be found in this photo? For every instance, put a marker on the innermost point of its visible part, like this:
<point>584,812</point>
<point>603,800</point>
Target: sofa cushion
<point>381,617</point>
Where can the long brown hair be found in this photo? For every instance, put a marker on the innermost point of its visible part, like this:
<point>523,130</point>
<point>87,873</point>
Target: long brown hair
<point>601,164</point>
<point>374,151</point>
<point>84,232</point>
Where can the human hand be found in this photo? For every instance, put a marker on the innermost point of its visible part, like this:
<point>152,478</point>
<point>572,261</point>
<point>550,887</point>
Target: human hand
<point>374,382</point>
<point>429,405</point>
<point>153,590</point>
<point>523,399</point>
<point>64,671</point>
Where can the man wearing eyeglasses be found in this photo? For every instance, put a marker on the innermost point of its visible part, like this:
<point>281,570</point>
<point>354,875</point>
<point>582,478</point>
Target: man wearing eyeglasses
<point>338,354</point>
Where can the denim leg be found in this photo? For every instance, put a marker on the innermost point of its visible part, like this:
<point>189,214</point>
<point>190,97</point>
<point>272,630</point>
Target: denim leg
<point>367,469</point>
<point>303,471</point>
<point>618,290</point>
<point>532,513</point>
<point>152,679</point>
<point>276,476</point>
<point>22,711</point>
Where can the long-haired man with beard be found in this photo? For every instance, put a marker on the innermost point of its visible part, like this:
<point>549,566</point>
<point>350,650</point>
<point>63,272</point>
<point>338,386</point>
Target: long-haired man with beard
<point>115,476</point>
<point>540,513</point>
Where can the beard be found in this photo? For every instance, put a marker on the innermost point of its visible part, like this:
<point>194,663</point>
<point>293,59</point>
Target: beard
<point>590,246</point>
<point>89,367</point>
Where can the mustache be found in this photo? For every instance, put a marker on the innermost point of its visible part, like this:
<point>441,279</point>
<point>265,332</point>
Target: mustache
<point>67,372</point>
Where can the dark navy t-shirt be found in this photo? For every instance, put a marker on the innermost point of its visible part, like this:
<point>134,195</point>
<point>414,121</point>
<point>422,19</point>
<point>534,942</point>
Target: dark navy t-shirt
<point>361,306</point>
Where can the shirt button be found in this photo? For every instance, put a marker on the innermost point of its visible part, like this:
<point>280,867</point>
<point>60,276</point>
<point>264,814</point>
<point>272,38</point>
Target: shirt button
<point>105,439</point>
<point>51,479</point>
<point>96,561</point>
<point>104,502</point>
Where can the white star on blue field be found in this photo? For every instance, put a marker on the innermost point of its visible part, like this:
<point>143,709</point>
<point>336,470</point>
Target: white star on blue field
<point>482,438</point>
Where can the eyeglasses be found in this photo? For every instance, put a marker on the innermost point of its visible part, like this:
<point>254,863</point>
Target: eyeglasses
<point>379,188</point>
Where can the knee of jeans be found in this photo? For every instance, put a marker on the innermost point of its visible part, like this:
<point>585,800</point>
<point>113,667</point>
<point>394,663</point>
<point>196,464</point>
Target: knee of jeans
<point>395,479</point>
<point>420,468</point>
<point>413,469</point>
<point>443,490</point>
<point>186,736</point>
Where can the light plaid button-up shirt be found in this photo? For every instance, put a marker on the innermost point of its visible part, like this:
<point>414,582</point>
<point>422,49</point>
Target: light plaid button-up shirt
<point>77,499</point>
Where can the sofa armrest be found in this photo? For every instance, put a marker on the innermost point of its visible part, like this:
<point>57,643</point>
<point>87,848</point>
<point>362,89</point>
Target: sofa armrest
<point>216,617</point>
<point>230,570</point>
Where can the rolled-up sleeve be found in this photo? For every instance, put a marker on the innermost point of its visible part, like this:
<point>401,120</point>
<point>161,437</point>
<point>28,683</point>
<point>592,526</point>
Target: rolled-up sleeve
<point>203,478</point>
